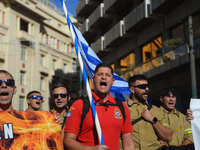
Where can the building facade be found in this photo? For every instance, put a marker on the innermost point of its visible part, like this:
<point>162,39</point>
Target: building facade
<point>36,48</point>
<point>149,37</point>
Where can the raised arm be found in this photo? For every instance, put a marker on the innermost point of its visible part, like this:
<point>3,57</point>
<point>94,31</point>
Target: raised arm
<point>189,115</point>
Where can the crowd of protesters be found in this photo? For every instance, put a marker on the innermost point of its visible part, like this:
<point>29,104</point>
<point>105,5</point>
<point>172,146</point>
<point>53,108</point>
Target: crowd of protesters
<point>131,125</point>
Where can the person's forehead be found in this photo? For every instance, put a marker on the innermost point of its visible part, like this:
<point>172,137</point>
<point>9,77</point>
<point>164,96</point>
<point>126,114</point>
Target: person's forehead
<point>138,82</point>
<point>4,76</point>
<point>104,69</point>
<point>36,94</point>
<point>60,90</point>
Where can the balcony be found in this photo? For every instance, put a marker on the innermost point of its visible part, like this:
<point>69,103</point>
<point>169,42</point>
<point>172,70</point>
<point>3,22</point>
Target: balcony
<point>115,36</point>
<point>44,70</point>
<point>164,6</point>
<point>171,59</point>
<point>97,19</point>
<point>116,6</point>
<point>86,7</point>
<point>98,46</point>
<point>24,35</point>
<point>138,19</point>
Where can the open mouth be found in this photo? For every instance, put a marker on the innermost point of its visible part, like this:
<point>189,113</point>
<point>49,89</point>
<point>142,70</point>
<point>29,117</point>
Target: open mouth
<point>4,94</point>
<point>102,83</point>
<point>59,102</point>
<point>38,103</point>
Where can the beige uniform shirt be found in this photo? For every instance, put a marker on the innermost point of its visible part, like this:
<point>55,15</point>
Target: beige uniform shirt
<point>144,134</point>
<point>181,128</point>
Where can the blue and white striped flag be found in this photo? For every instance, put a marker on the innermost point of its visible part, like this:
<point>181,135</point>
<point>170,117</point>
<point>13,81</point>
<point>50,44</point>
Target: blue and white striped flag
<point>120,89</point>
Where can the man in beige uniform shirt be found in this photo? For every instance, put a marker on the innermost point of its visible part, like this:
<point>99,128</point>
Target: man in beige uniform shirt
<point>149,122</point>
<point>182,133</point>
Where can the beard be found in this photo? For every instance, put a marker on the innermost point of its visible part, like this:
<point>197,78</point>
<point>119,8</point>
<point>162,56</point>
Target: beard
<point>140,98</point>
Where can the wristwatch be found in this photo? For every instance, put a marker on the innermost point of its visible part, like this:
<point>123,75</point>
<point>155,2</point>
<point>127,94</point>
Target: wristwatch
<point>154,120</point>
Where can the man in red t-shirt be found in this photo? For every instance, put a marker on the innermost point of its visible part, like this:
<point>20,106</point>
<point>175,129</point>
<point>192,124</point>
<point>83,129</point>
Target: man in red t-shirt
<point>111,119</point>
<point>7,90</point>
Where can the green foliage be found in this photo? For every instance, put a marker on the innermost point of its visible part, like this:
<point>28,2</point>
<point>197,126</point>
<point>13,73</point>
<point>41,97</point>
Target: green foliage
<point>171,43</point>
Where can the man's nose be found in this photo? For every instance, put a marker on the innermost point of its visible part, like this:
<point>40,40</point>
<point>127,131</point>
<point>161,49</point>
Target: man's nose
<point>3,84</point>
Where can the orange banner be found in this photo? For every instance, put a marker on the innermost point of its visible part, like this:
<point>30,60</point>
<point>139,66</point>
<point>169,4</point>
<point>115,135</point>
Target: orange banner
<point>36,130</point>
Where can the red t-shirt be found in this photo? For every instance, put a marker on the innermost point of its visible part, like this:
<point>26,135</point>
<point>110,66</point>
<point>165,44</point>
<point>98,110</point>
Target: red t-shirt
<point>110,118</point>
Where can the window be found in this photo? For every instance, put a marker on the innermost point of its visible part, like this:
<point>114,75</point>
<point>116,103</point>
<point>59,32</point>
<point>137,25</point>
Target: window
<point>72,49</point>
<point>42,60</point>
<point>23,52</point>
<point>59,26</point>
<point>49,20</point>
<point>54,64</point>
<point>67,48</point>
<point>47,39</point>
<point>58,44</point>
<point>127,62</point>
<point>3,18</point>
<point>65,68</point>
<point>21,103</point>
<point>74,67</point>
<point>42,84</point>
<point>150,50</point>
<point>23,25</point>
<point>22,78</point>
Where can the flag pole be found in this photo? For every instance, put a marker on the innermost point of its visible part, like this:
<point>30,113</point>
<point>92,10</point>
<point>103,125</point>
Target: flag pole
<point>77,46</point>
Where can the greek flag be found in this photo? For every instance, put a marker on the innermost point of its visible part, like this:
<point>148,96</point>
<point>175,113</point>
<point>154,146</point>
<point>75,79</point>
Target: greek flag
<point>120,89</point>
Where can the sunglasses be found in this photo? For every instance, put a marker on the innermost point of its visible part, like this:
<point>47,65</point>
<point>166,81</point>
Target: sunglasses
<point>8,82</point>
<point>169,93</point>
<point>62,95</point>
<point>36,97</point>
<point>142,86</point>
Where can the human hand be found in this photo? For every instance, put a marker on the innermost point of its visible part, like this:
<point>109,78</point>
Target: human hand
<point>59,119</point>
<point>189,115</point>
<point>147,115</point>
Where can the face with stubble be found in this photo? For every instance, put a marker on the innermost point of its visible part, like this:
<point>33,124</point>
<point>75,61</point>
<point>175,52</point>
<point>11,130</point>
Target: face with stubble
<point>141,90</point>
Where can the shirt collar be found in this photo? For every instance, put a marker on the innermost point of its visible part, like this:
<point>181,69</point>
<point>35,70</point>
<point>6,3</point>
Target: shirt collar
<point>174,111</point>
<point>130,103</point>
<point>97,99</point>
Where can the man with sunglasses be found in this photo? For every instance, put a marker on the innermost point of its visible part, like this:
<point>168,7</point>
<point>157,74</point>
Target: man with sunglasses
<point>7,90</point>
<point>34,100</point>
<point>182,133</point>
<point>147,120</point>
<point>60,95</point>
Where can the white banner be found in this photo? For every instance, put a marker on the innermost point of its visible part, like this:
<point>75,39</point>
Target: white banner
<point>195,107</point>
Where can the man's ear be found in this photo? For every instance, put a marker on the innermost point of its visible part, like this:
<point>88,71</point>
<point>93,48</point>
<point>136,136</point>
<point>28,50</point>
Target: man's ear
<point>93,79</point>
<point>161,99</point>
<point>69,97</point>
<point>132,90</point>
<point>15,90</point>
<point>28,101</point>
<point>113,81</point>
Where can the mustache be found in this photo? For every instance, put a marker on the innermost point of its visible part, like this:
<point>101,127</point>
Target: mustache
<point>145,93</point>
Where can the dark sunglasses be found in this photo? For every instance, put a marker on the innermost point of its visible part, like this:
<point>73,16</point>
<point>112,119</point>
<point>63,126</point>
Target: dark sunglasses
<point>36,97</point>
<point>8,82</point>
<point>142,86</point>
<point>62,95</point>
<point>169,93</point>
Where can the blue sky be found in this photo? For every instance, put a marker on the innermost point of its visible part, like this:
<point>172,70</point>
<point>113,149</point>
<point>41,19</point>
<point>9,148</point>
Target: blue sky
<point>71,5</point>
